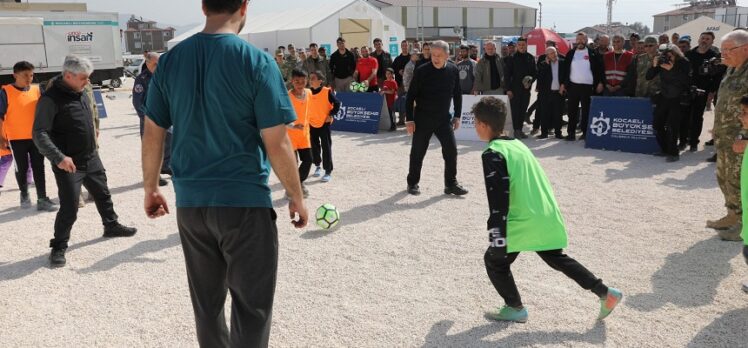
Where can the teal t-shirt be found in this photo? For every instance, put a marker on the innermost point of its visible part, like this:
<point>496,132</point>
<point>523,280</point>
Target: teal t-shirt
<point>218,92</point>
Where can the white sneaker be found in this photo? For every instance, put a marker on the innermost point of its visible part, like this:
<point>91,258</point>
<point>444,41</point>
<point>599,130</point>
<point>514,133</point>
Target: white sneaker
<point>745,286</point>
<point>326,178</point>
<point>317,172</point>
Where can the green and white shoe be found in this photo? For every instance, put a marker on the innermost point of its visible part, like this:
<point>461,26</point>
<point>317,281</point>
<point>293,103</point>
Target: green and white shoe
<point>507,313</point>
<point>610,302</point>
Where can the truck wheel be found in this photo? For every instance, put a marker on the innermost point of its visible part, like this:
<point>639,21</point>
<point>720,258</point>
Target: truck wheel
<point>115,83</point>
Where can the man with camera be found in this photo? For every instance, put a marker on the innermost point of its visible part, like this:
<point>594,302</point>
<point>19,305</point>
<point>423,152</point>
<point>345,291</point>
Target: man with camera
<point>674,72</point>
<point>707,73</point>
<point>727,128</point>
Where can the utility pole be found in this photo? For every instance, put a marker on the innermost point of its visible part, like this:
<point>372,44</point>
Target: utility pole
<point>610,15</point>
<point>540,15</point>
<point>419,30</point>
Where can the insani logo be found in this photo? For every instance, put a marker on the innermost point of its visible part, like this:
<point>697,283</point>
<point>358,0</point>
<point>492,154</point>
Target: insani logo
<point>77,36</point>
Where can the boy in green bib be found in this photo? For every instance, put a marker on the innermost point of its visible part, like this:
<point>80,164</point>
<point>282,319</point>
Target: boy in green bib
<point>524,216</point>
<point>739,147</point>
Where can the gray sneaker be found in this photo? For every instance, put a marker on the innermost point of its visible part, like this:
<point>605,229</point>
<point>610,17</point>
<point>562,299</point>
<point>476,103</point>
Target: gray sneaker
<point>745,286</point>
<point>45,204</point>
<point>25,201</point>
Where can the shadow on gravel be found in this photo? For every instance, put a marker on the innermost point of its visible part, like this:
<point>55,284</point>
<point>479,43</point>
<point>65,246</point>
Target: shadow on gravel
<point>729,330</point>
<point>135,126</point>
<point>20,269</point>
<point>690,278</point>
<point>476,337</point>
<point>127,135</point>
<point>372,211</point>
<point>16,213</point>
<point>134,254</point>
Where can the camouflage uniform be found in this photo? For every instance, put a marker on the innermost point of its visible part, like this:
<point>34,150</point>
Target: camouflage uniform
<point>645,88</point>
<point>727,127</point>
<point>290,63</point>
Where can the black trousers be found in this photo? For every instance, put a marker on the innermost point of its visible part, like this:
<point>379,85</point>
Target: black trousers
<point>519,102</point>
<point>305,157</point>
<point>322,147</point>
<point>93,177</point>
<point>232,250</point>
<point>167,146</point>
<point>498,263</point>
<point>537,108</point>
<point>421,138</point>
<point>684,130</point>
<point>23,150</point>
<point>667,115</point>
<point>577,94</point>
<point>698,104</point>
<point>550,107</point>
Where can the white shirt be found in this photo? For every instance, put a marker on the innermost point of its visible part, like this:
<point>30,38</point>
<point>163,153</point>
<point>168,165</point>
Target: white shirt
<point>555,84</point>
<point>581,70</point>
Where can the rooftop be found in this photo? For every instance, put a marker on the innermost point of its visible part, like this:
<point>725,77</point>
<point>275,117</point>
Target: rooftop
<point>452,3</point>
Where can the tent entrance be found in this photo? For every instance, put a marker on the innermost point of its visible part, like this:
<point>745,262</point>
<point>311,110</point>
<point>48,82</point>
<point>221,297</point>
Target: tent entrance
<point>356,32</point>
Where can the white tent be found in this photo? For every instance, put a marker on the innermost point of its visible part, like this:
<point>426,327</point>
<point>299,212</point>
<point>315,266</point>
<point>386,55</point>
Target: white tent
<point>321,22</point>
<point>699,25</point>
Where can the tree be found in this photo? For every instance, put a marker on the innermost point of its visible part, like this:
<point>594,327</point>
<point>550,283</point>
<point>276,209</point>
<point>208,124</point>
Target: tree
<point>640,28</point>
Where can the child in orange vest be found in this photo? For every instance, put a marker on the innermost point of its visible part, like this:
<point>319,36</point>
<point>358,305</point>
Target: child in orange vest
<point>321,109</point>
<point>298,133</point>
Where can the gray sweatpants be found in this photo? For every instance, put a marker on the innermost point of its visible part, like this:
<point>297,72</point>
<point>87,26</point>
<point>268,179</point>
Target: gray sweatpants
<point>234,250</point>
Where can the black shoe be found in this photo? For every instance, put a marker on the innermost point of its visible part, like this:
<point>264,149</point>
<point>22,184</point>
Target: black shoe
<point>116,229</point>
<point>414,190</point>
<point>570,138</point>
<point>583,136</point>
<point>693,148</point>
<point>520,134</point>
<point>45,204</point>
<point>709,143</point>
<point>57,257</point>
<point>162,182</point>
<point>456,190</point>
<point>534,131</point>
<point>673,158</point>
<point>393,128</point>
<point>712,159</point>
<point>559,136</point>
<point>167,171</point>
<point>543,136</point>
<point>682,147</point>
<point>25,200</point>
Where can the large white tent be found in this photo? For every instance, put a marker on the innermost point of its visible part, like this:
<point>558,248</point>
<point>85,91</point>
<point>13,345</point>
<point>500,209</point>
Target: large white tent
<point>321,22</point>
<point>699,25</point>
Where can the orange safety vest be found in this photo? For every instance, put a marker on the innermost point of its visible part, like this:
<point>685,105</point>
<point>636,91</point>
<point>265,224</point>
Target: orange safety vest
<point>300,138</point>
<point>4,151</point>
<point>19,119</point>
<point>319,108</point>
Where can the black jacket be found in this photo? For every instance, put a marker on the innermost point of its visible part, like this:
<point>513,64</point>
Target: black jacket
<point>545,74</point>
<point>596,64</point>
<point>430,94</point>
<point>675,82</point>
<point>707,80</point>
<point>343,65</point>
<point>516,67</point>
<point>63,125</point>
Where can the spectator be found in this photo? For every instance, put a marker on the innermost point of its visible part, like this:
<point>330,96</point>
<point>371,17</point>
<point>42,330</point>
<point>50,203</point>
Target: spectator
<point>616,63</point>
<point>511,47</point>
<point>389,91</point>
<point>425,54</point>
<point>398,65</point>
<point>519,72</point>
<point>674,39</point>
<point>474,52</point>
<point>634,46</point>
<point>467,70</point>
<point>384,61</point>
<point>366,70</point>
<point>663,39</point>
<point>342,66</point>
<point>551,70</point>
<point>410,68</point>
<point>489,72</point>
<point>706,77</point>
<point>636,83</point>
<point>603,45</point>
<point>584,76</point>
<point>315,62</point>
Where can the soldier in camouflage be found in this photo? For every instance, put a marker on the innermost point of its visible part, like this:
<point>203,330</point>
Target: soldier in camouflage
<point>291,62</point>
<point>727,128</point>
<point>635,82</point>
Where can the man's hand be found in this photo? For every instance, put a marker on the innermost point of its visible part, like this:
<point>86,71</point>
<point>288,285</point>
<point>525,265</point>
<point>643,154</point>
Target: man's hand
<point>155,205</point>
<point>410,127</point>
<point>328,119</point>
<point>510,94</point>
<point>654,61</point>
<point>562,90</point>
<point>475,92</point>
<point>599,88</point>
<point>668,66</point>
<point>456,123</point>
<point>67,165</point>
<point>739,146</point>
<point>4,143</point>
<point>298,213</point>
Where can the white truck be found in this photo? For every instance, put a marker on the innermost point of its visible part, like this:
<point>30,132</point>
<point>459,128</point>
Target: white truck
<point>45,38</point>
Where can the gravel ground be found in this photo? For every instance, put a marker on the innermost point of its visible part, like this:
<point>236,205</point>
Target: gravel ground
<point>401,271</point>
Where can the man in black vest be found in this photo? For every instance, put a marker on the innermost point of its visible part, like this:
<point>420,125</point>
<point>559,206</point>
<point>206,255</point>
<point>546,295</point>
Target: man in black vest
<point>64,133</point>
<point>584,75</point>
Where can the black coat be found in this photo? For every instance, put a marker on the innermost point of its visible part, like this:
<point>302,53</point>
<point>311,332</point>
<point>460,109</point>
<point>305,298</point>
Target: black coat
<point>516,67</point>
<point>545,74</point>
<point>596,64</point>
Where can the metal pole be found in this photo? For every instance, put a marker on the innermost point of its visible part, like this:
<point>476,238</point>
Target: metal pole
<point>419,31</point>
<point>540,16</point>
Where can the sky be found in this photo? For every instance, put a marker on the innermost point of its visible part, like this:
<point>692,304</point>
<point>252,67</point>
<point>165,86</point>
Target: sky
<point>566,15</point>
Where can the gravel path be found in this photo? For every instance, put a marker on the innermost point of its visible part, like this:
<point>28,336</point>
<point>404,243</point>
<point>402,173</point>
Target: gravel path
<point>401,271</point>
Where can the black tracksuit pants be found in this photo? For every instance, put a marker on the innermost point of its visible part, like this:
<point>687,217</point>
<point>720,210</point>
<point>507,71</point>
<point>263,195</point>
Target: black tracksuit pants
<point>577,94</point>
<point>23,150</point>
<point>550,105</point>
<point>498,263</point>
<point>322,147</point>
<point>667,115</point>
<point>696,121</point>
<point>519,103</point>
<point>93,177</point>
<point>234,250</point>
<point>305,157</point>
<point>421,138</point>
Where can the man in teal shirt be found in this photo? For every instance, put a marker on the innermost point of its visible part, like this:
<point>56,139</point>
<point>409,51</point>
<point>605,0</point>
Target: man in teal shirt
<point>229,108</point>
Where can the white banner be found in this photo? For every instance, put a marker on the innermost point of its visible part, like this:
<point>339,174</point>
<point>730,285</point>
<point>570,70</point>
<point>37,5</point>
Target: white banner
<point>467,126</point>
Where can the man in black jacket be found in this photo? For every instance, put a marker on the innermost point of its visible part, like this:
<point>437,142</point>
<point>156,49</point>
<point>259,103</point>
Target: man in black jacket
<point>520,71</point>
<point>706,77</point>
<point>399,66</point>
<point>64,133</point>
<point>434,86</point>
<point>550,73</point>
<point>584,75</point>
<point>342,66</point>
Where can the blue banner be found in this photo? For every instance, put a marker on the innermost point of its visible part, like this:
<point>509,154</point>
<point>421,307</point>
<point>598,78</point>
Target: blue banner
<point>622,124</point>
<point>394,49</point>
<point>99,102</point>
<point>359,112</point>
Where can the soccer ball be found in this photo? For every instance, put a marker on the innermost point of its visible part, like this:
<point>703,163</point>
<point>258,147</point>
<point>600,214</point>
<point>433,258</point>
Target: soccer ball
<point>327,216</point>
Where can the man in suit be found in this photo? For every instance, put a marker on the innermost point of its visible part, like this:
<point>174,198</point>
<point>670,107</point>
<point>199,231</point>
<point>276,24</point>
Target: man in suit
<point>551,71</point>
<point>584,76</point>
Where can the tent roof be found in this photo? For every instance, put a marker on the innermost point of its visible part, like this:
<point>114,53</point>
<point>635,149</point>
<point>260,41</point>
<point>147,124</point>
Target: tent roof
<point>301,17</point>
<point>699,25</point>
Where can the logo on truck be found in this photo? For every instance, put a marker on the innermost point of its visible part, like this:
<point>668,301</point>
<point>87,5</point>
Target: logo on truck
<point>77,36</point>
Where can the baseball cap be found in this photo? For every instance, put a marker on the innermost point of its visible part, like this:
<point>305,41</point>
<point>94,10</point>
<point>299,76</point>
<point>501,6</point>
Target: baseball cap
<point>650,40</point>
<point>686,38</point>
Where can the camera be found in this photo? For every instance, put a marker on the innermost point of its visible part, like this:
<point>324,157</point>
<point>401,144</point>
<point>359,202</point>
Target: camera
<point>710,66</point>
<point>663,58</point>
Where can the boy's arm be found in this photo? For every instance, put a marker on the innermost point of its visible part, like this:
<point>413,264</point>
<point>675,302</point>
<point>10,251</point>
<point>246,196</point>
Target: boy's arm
<point>497,189</point>
<point>334,101</point>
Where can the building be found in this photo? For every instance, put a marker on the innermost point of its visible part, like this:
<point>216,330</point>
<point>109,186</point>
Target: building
<point>734,16</point>
<point>457,20</point>
<point>320,22</point>
<point>697,26</point>
<point>12,5</point>
<point>143,36</point>
<point>671,19</point>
